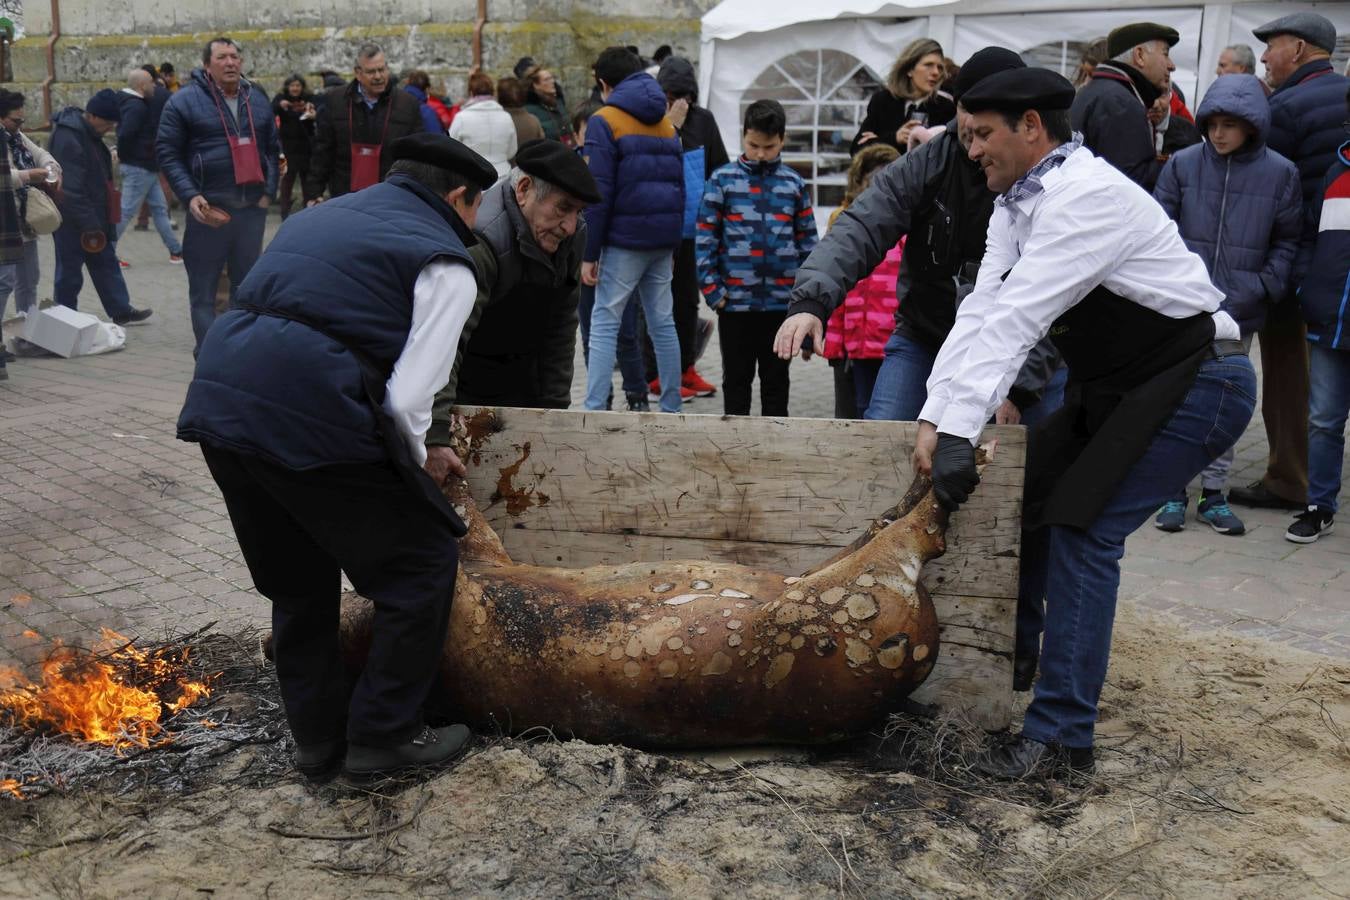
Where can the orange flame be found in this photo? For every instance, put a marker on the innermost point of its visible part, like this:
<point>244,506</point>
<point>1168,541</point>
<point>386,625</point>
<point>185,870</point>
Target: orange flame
<point>10,786</point>
<point>115,698</point>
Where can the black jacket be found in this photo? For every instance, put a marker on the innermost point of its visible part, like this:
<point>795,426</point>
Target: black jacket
<point>330,164</point>
<point>86,172</point>
<point>297,137</point>
<point>939,198</point>
<point>1111,111</point>
<point>886,113</point>
<point>136,132</point>
<point>519,342</point>
<point>700,130</point>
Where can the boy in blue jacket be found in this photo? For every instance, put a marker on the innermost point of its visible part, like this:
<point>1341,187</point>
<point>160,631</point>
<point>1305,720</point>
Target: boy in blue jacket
<point>1237,204</point>
<point>635,157</point>
<point>1325,301</point>
<point>755,227</point>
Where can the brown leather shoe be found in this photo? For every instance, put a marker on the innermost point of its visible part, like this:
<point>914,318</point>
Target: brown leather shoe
<point>1257,495</point>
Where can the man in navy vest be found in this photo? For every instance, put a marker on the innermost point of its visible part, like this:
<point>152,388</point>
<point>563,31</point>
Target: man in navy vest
<point>311,400</point>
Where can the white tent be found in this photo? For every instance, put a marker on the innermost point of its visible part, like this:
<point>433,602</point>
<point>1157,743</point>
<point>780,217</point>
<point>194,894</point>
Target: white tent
<point>823,58</point>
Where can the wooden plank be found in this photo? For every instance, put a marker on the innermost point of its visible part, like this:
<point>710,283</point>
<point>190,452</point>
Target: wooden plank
<point>575,489</point>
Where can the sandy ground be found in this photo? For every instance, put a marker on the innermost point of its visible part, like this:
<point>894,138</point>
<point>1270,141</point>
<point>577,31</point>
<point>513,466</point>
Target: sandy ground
<point>1223,769</point>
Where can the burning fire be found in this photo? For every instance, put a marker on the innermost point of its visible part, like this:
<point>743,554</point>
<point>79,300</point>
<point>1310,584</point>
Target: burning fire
<point>116,697</point>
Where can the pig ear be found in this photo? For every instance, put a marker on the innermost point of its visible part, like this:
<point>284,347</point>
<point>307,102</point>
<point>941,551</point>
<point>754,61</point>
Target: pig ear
<point>984,455</point>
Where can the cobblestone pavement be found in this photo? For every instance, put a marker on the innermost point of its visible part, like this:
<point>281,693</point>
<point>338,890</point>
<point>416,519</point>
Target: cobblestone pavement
<point>107,520</point>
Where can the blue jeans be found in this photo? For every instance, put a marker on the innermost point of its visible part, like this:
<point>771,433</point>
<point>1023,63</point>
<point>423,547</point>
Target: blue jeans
<point>207,250</point>
<point>623,273</point>
<point>1328,403</point>
<point>901,387</point>
<point>142,186</point>
<point>629,350</point>
<point>103,271</point>
<point>1082,568</point>
<point>21,280</point>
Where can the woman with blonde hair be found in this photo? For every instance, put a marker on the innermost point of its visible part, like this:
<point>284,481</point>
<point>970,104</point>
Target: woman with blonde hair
<point>912,97</point>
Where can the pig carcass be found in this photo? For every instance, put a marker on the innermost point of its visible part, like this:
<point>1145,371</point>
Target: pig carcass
<point>690,653</point>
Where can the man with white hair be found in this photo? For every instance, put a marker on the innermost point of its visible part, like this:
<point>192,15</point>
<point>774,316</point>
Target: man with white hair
<point>1239,59</point>
<point>1111,111</point>
<point>140,170</point>
<point>518,345</point>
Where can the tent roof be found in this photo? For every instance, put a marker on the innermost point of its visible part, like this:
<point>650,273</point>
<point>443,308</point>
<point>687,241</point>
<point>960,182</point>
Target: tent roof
<point>733,18</point>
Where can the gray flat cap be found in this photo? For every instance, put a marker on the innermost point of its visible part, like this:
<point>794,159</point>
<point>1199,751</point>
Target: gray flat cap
<point>1314,29</point>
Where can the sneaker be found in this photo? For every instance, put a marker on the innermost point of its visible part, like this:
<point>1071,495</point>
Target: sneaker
<point>176,258</point>
<point>1172,517</point>
<point>132,316</point>
<point>141,226</point>
<point>654,392</point>
<point>1310,524</point>
<point>696,383</point>
<point>124,264</point>
<point>638,403</point>
<point>431,747</point>
<point>1216,512</point>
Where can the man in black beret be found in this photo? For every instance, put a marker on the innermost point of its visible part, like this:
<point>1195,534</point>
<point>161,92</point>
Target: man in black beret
<point>938,197</point>
<point>1111,111</point>
<point>311,399</point>
<point>518,345</point>
<point>1159,385</point>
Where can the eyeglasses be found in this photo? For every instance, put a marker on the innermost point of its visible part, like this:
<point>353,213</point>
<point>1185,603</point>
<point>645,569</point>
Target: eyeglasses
<point>16,121</point>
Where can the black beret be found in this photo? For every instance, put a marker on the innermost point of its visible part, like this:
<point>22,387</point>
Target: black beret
<point>982,64</point>
<point>559,166</point>
<point>445,152</point>
<point>1126,37</point>
<point>1017,90</point>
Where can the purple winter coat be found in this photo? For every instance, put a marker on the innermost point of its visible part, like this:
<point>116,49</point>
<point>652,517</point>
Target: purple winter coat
<point>1241,213</point>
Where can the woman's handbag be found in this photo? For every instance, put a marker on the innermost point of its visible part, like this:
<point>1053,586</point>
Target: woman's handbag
<point>41,213</point>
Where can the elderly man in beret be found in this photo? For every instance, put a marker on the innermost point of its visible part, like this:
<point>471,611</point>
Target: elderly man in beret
<point>1306,112</point>
<point>1111,111</point>
<point>311,401</point>
<point>518,346</point>
<point>1158,386</point>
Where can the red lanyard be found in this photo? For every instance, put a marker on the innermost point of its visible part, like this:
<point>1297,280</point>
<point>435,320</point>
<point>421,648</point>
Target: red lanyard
<point>248,110</point>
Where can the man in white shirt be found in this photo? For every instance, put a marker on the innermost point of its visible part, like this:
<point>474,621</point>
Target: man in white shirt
<point>311,400</point>
<point>1159,385</point>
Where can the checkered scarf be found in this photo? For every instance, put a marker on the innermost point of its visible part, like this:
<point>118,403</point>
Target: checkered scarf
<point>1029,185</point>
<point>11,226</point>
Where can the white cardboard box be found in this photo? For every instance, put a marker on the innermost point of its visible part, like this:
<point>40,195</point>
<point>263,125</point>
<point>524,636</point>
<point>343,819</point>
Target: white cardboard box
<point>61,330</point>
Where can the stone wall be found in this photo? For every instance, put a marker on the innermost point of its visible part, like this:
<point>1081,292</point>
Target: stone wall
<point>100,41</point>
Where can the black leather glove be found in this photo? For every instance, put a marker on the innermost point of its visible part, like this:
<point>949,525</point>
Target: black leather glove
<point>954,475</point>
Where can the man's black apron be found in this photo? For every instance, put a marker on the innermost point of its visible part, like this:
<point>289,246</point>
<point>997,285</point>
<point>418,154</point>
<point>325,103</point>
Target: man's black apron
<point>1129,369</point>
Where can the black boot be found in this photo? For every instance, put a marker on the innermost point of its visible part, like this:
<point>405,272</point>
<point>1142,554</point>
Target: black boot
<point>315,761</point>
<point>1022,757</point>
<point>431,747</point>
<point>1024,671</point>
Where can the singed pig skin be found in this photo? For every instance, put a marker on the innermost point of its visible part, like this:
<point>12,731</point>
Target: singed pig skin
<point>687,654</point>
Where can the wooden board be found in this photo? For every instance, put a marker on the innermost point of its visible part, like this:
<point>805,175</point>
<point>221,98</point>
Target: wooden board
<point>575,489</point>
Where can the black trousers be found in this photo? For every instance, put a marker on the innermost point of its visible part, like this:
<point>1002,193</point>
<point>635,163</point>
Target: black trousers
<point>298,532</point>
<point>747,341</point>
<point>686,299</point>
